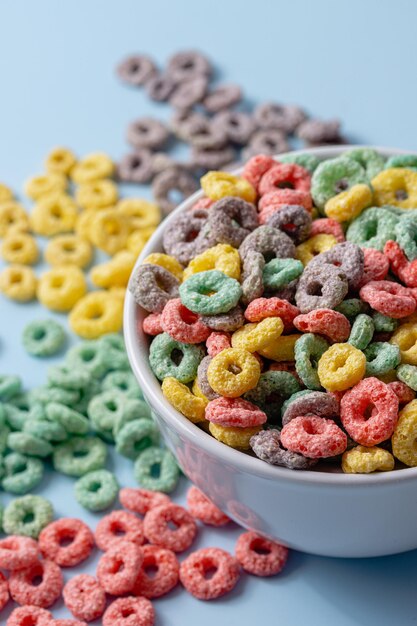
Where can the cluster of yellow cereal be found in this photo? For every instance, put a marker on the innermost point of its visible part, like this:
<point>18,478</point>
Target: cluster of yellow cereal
<point>77,207</point>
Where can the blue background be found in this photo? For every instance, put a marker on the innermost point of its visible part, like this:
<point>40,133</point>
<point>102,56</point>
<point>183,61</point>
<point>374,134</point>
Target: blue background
<point>356,60</point>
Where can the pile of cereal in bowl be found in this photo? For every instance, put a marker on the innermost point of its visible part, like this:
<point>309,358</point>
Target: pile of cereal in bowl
<point>283,310</point>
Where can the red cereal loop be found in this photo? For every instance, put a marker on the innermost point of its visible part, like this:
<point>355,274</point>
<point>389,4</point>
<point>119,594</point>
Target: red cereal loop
<point>256,167</point>
<point>203,509</point>
<point>118,526</point>
<point>202,203</point>
<point>234,412</point>
<point>84,597</point>
<point>66,622</point>
<point>158,532</point>
<point>119,567</point>
<point>216,342</point>
<point>181,324</point>
<point>388,298</point>
<point>274,200</point>
<point>141,500</point>
<point>159,572</point>
<point>376,266</point>
<point>285,176</point>
<point>39,584</point>
<point>403,392</point>
<point>374,398</point>
<point>151,325</point>
<point>326,322</point>
<point>129,611</point>
<point>29,615</point>
<point>17,552</point>
<point>194,570</point>
<point>4,591</point>
<point>67,541</point>
<point>260,556</point>
<point>260,308</point>
<point>313,437</point>
<point>400,266</point>
<point>327,226</point>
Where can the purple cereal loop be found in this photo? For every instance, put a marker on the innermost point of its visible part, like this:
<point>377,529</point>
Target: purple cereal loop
<point>202,380</point>
<point>189,93</point>
<point>231,219</point>
<point>200,133</point>
<point>285,118</point>
<point>222,97</point>
<point>171,179</point>
<point>252,276</point>
<point>179,122</point>
<point>319,132</point>
<point>267,446</point>
<point>212,159</point>
<point>347,257</point>
<point>293,220</point>
<point>236,125</point>
<point>160,87</point>
<point>152,286</point>
<point>316,403</point>
<point>267,142</point>
<point>147,132</point>
<point>321,287</point>
<point>136,69</point>
<point>270,242</point>
<point>181,238</point>
<point>226,322</point>
<point>188,64</point>
<point>136,167</point>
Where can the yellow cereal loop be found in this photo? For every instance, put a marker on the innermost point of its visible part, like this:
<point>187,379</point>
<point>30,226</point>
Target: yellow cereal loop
<point>282,349</point>
<point>197,392</point>
<point>53,215</point>
<point>140,213</point>
<point>18,282</point>
<point>167,261</point>
<point>12,216</point>
<point>108,230</point>
<point>404,439</point>
<point>68,250</point>
<point>363,460</point>
<point>348,205</point>
<point>45,185</point>
<point>222,257</point>
<point>238,438</point>
<point>98,194</point>
<point>19,247</point>
<point>96,314</point>
<point>118,292</point>
<point>136,242</point>
<point>61,287</point>
<point>92,167</point>
<point>307,250</point>
<point>396,186</point>
<point>254,337</point>
<point>405,337</point>
<point>6,193</point>
<point>60,161</point>
<point>233,372</point>
<point>114,273</point>
<point>83,223</point>
<point>341,367</point>
<point>217,185</point>
<point>184,400</point>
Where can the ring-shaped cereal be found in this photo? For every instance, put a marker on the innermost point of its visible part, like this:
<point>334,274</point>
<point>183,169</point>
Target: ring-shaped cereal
<point>355,405</point>
<point>183,325</point>
<point>260,556</point>
<point>217,185</point>
<point>29,614</point>
<point>308,350</point>
<point>182,399</point>
<point>97,313</point>
<point>60,160</point>
<point>165,567</point>
<point>17,552</point>
<point>314,246</point>
<point>347,205</point>
<point>156,526</point>
<point>45,184</point>
<point>43,337</point>
<point>232,436</point>
<point>109,230</point>
<point>68,250</point>
<point>381,358</point>
<point>325,322</point>
<point>66,541</point>
<point>314,437</point>
<point>54,214</point>
<point>20,248</point>
<point>285,175</point>
<point>261,308</point>
<point>404,438</point>
<point>92,167</point>
<point>388,298</point>
<point>141,500</point>
<point>139,213</point>
<point>326,226</point>
<point>272,388</point>
<point>139,611</point>
<point>18,282</point>
<point>405,337</point>
<point>193,573</point>
<point>375,266</point>
<point>362,331</point>
<point>195,292</point>
<point>162,353</point>
<point>224,381</point>
<point>258,335</point>
<point>97,194</point>
<point>234,412</point>
<point>12,217</point>
<point>118,526</point>
<point>334,176</point>
<point>61,287</point>
<point>341,367</point>
<point>115,272</point>
<point>373,228</point>
<point>221,257</point>
<point>24,590</point>
<point>85,598</point>
<point>119,567</point>
<point>364,460</point>
<point>396,186</point>
<point>166,261</point>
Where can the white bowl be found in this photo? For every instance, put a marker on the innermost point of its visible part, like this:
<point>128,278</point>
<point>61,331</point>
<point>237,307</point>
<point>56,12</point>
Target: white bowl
<point>325,513</point>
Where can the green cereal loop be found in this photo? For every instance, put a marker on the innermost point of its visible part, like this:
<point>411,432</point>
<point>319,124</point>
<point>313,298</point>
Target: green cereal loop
<point>308,161</point>
<point>85,396</point>
<point>73,422</point>
<point>21,400</point>
<point>373,228</point>
<point>294,396</point>
<point>79,455</point>
<point>9,386</point>
<point>25,443</point>
<point>272,384</point>
<point>27,516</point>
<point>138,410</point>
<point>277,273</point>
<point>195,292</point>
<point>352,307</point>
<point>307,351</point>
<point>68,377</point>
<point>383,323</point>
<point>114,346</point>
<point>156,469</point>
<point>408,374</point>
<point>334,176</point>
<point>43,337</point>
<point>44,395</point>
<point>163,364</point>
<point>22,473</point>
<point>125,382</point>
<point>361,332</point>
<point>381,358</point>
<point>90,355</point>
<point>406,232</point>
<point>96,490</point>
<point>402,160</point>
<point>371,161</point>
<point>109,408</point>
<point>51,431</point>
<point>136,436</point>
<point>4,435</point>
<point>15,417</point>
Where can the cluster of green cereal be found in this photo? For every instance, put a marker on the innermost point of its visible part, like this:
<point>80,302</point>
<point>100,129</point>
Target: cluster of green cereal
<point>90,400</point>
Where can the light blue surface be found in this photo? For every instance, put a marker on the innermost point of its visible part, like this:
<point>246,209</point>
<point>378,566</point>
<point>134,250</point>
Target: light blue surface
<point>355,60</point>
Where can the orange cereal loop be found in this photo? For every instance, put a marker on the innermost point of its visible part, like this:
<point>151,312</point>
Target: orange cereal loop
<point>20,248</point>
<point>54,214</point>
<point>109,230</point>
<point>92,167</point>
<point>61,287</point>
<point>98,313</point>
<point>6,193</point>
<point>45,184</point>
<point>18,282</point>
<point>140,213</point>
<point>12,216</point>
<point>60,161</point>
<point>97,194</point>
<point>68,250</point>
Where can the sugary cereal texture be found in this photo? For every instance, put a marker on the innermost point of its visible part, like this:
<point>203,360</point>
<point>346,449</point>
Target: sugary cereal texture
<point>84,597</point>
<point>138,609</point>
<point>157,530</point>
<point>193,573</point>
<point>202,508</point>
<point>260,556</point>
